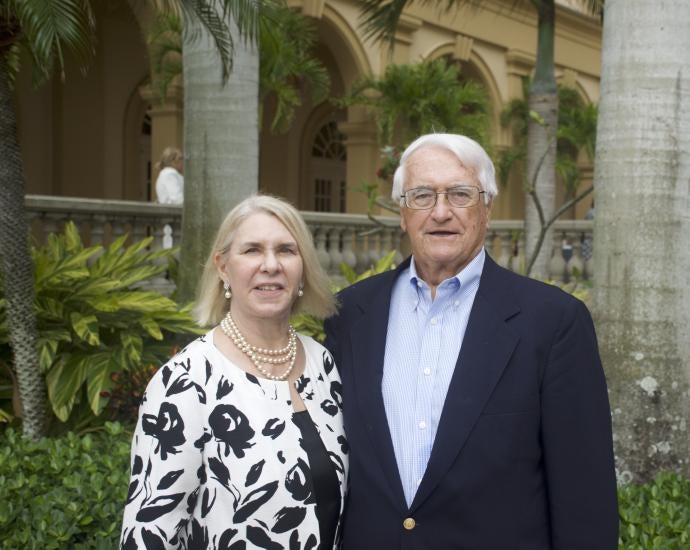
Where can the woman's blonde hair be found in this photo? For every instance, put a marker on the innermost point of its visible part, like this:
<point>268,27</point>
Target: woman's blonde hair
<point>170,155</point>
<point>318,300</point>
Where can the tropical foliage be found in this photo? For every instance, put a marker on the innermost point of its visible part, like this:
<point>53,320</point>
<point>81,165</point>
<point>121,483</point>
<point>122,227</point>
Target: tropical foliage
<point>286,64</point>
<point>431,96</point>
<point>95,320</point>
<point>63,492</point>
<point>575,135</point>
<point>655,516</point>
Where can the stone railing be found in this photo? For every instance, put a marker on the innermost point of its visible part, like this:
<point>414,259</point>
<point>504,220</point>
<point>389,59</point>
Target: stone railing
<point>352,239</point>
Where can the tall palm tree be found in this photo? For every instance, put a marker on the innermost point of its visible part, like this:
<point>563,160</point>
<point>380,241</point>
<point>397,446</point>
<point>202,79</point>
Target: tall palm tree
<point>46,30</point>
<point>642,231</point>
<point>221,134</point>
<point>380,18</point>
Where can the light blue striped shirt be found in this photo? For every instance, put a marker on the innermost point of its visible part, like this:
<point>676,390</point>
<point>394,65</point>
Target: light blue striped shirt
<point>422,347</point>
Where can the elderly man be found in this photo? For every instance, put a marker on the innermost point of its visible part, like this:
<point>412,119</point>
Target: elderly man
<point>474,399</point>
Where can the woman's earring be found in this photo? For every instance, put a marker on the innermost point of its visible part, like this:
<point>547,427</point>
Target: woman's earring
<point>300,291</point>
<point>226,287</point>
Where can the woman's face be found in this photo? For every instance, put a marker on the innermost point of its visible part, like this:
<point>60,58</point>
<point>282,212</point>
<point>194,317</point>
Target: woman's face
<point>264,268</point>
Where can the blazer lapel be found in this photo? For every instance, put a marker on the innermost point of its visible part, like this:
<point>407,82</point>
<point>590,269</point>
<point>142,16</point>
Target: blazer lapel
<point>486,349</point>
<point>368,349</point>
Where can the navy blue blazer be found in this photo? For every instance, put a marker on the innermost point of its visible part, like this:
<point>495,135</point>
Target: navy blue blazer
<point>523,454</point>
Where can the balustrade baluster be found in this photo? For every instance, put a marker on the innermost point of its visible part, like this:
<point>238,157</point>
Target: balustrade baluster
<point>386,241</point>
<point>505,246</point>
<point>349,257</point>
<point>374,247</point>
<point>97,233</point>
<point>576,265</point>
<point>362,251</point>
<point>117,229</point>
<point>336,257</point>
<point>321,252</point>
<point>557,264</point>
<point>397,237</point>
<point>519,263</point>
<point>140,228</point>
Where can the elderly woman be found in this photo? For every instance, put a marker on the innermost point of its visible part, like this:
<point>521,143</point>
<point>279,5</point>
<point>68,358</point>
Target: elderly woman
<point>240,439</point>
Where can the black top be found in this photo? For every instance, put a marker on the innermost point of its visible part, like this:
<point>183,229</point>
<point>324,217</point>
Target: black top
<point>323,479</point>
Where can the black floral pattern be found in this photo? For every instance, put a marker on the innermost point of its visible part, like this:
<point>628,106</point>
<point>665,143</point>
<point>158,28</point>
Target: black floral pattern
<point>231,426</point>
<point>217,462</point>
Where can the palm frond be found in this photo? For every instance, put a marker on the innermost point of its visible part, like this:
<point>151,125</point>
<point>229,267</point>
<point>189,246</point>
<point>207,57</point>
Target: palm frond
<point>50,27</point>
<point>10,62</point>
<point>379,18</point>
<point>165,50</point>
<point>410,100</point>
<point>198,14</point>
<point>287,66</point>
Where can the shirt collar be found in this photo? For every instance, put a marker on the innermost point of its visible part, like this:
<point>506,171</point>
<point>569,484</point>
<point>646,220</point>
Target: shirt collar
<point>466,276</point>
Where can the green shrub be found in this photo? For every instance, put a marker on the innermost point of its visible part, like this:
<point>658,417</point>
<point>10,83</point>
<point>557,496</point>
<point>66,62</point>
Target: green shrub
<point>655,516</point>
<point>310,325</point>
<point>95,320</point>
<point>66,492</point>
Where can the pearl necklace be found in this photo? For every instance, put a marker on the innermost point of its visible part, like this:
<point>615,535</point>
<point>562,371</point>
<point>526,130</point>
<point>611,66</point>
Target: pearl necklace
<point>258,355</point>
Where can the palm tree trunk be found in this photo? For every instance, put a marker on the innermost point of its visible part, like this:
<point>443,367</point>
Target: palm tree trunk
<point>221,143</point>
<point>541,142</point>
<point>17,270</point>
<point>642,231</point>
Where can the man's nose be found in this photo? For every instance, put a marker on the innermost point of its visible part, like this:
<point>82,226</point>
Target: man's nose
<point>441,209</point>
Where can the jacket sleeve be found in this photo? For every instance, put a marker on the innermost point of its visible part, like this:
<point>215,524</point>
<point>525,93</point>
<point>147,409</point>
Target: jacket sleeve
<point>577,438</point>
<point>166,462</point>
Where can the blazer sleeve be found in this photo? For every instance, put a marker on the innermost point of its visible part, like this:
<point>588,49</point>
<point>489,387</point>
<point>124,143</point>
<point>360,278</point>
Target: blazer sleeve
<point>166,462</point>
<point>577,438</point>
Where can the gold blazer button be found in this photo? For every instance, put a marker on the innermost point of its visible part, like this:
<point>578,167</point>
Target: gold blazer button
<point>409,523</point>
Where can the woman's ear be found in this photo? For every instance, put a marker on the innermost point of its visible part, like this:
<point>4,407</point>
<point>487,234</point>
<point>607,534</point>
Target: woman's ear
<point>219,261</point>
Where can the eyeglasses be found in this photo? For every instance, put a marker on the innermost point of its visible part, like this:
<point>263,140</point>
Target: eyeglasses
<point>423,198</point>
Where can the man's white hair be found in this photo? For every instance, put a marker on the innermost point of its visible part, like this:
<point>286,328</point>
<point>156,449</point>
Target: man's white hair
<point>469,153</point>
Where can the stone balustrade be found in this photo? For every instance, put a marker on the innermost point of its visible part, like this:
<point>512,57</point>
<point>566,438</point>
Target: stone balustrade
<point>353,239</point>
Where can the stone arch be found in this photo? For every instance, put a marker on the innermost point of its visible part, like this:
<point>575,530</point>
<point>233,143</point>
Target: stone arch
<point>286,164</point>
<point>345,44</point>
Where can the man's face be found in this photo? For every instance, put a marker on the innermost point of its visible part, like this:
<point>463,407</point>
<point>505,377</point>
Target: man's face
<point>444,238</point>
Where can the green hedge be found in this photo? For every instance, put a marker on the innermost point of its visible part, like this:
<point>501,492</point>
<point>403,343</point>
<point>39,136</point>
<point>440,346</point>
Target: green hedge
<point>69,493</point>
<point>655,516</point>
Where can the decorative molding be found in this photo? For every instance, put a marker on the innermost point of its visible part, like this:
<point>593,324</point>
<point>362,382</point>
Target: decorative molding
<point>463,47</point>
<point>568,77</point>
<point>359,132</point>
<point>407,26</point>
<point>520,62</point>
<point>313,8</point>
